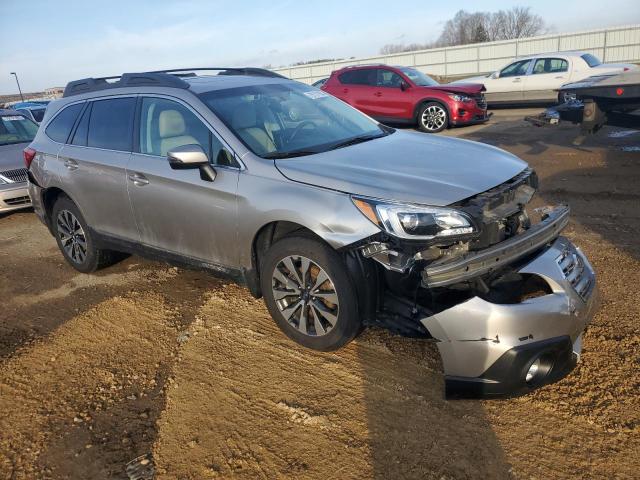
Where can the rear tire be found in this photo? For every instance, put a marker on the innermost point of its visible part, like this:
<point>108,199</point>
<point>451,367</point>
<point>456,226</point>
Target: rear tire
<point>309,293</point>
<point>433,117</point>
<point>75,240</point>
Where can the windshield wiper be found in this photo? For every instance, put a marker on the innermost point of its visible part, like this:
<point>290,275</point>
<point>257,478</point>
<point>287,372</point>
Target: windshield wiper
<point>355,140</point>
<point>291,154</point>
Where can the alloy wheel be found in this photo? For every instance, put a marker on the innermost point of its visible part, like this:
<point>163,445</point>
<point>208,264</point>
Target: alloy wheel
<point>305,295</point>
<point>433,117</point>
<point>72,236</point>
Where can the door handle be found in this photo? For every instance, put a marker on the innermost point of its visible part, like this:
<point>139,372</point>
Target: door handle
<point>70,164</point>
<point>345,90</point>
<point>516,80</point>
<point>138,179</point>
<point>561,77</point>
<point>378,94</point>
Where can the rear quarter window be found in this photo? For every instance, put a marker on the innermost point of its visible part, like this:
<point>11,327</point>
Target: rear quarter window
<point>591,60</point>
<point>111,124</point>
<point>60,127</point>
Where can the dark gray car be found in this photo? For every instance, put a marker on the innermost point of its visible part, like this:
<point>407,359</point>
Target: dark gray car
<point>16,132</point>
<point>339,222</point>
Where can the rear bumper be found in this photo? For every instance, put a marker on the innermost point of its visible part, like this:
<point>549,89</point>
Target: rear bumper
<point>487,348</point>
<point>35,192</point>
<point>14,197</point>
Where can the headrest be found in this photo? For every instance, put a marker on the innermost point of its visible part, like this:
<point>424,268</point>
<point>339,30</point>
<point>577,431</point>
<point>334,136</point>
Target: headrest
<point>244,117</point>
<point>171,124</point>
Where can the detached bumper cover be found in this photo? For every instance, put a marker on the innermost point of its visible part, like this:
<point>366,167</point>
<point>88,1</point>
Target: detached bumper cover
<point>476,335</point>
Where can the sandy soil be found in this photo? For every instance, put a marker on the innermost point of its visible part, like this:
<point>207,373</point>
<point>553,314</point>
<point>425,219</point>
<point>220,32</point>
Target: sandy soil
<point>190,371</point>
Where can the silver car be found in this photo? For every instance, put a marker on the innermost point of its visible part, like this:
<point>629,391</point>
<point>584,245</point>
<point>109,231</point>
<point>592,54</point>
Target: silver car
<point>16,132</point>
<point>339,222</point>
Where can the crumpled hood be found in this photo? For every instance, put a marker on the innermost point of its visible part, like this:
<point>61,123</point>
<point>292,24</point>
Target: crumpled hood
<point>11,156</point>
<point>465,87</point>
<point>407,167</point>
<point>478,79</point>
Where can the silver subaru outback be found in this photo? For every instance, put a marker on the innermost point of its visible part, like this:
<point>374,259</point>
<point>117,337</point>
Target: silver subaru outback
<point>338,221</point>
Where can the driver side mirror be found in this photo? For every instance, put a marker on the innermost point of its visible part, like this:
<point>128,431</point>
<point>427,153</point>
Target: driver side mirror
<point>495,75</point>
<point>404,85</point>
<point>191,156</point>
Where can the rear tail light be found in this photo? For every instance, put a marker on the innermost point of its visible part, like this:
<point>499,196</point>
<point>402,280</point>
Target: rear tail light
<point>29,155</point>
<point>626,69</point>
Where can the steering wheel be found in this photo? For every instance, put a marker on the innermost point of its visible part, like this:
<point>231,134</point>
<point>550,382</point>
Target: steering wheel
<point>299,127</point>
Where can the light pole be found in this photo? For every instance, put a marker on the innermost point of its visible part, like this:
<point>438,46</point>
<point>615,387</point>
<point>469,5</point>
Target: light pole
<point>16,75</point>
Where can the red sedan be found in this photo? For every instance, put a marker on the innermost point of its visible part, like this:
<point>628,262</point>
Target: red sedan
<point>406,95</point>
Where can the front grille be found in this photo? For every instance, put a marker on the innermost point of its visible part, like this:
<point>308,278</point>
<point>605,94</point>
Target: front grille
<point>15,201</point>
<point>576,272</point>
<point>480,101</point>
<point>18,175</point>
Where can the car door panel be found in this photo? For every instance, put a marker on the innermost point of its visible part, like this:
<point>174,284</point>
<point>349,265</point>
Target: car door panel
<point>547,76</point>
<point>96,181</point>
<point>94,177</point>
<point>176,210</point>
<point>508,87</point>
<point>388,99</point>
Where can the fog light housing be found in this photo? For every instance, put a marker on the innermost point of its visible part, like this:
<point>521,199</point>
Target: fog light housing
<point>533,370</point>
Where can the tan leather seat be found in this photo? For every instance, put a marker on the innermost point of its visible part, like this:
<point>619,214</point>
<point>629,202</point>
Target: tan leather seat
<point>245,122</point>
<point>539,68</point>
<point>172,131</point>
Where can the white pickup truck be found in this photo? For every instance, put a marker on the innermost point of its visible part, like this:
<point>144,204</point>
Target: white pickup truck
<point>537,78</point>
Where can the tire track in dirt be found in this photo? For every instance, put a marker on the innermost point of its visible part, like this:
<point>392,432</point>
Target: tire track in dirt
<point>249,403</point>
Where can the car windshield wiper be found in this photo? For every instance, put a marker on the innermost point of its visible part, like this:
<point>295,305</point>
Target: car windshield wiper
<point>291,154</point>
<point>355,140</point>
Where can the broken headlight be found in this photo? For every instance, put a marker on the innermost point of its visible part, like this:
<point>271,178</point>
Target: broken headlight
<point>415,222</point>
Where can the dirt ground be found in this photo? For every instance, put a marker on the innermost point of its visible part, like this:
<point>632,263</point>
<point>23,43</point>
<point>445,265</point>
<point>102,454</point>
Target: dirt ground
<point>146,359</point>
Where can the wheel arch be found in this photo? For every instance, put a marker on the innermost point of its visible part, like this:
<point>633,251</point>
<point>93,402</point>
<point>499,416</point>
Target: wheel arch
<point>49,197</point>
<point>266,236</point>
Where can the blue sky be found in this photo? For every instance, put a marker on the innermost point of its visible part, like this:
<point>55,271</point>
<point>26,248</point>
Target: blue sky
<point>51,42</point>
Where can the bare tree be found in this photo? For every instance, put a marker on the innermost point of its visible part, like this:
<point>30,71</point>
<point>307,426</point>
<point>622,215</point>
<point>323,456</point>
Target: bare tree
<point>477,27</point>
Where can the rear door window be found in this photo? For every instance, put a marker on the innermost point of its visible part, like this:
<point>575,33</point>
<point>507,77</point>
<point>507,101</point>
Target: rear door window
<point>111,124</point>
<point>60,127</point>
<point>365,76</point>
<point>550,65</point>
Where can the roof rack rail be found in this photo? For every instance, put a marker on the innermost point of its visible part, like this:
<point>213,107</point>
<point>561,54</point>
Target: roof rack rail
<point>157,78</point>
<point>258,72</point>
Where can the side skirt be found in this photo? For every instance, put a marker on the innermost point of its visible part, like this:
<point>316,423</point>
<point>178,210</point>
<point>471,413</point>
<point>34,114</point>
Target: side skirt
<point>109,242</point>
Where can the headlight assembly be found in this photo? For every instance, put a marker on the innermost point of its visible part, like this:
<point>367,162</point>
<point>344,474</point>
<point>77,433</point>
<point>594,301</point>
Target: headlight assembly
<point>415,222</point>
<point>459,98</point>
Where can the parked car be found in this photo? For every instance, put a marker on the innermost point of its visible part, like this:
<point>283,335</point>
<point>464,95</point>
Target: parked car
<point>16,132</point>
<point>319,83</point>
<point>336,220</point>
<point>537,78</point>
<point>406,95</point>
<point>32,110</point>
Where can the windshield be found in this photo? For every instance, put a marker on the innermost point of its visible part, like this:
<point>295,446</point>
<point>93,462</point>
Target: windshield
<point>16,129</point>
<point>591,60</point>
<point>419,78</point>
<point>278,121</point>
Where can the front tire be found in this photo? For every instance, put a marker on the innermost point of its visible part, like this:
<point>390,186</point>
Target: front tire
<point>433,117</point>
<point>309,293</point>
<point>75,240</point>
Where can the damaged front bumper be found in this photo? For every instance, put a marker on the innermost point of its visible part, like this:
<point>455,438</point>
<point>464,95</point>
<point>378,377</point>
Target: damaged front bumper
<point>488,348</point>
